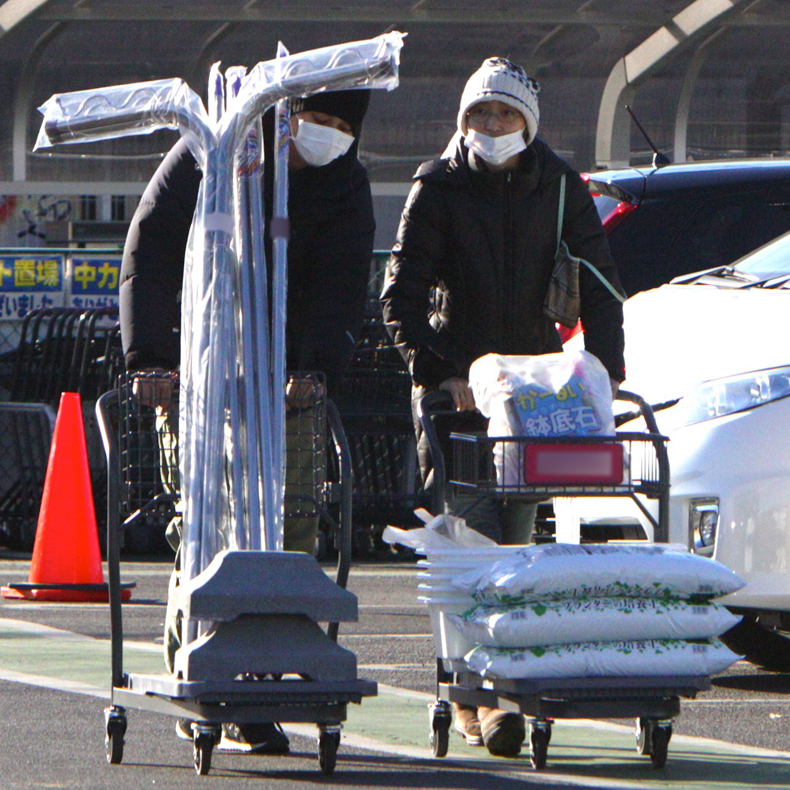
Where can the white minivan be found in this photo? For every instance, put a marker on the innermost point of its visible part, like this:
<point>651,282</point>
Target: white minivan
<point>711,353</point>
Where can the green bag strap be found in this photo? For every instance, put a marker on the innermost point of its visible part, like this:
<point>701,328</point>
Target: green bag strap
<point>609,287</point>
<point>560,213</point>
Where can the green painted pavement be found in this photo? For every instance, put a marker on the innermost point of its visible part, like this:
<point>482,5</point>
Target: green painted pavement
<point>600,753</point>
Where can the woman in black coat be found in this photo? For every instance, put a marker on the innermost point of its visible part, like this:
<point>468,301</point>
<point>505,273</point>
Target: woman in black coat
<point>469,274</point>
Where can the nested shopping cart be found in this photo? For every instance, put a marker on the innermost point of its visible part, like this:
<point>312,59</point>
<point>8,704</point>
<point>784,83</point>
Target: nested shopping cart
<point>629,464</point>
<point>140,440</point>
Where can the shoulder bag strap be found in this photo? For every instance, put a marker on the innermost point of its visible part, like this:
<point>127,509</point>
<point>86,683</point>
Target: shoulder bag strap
<point>560,213</point>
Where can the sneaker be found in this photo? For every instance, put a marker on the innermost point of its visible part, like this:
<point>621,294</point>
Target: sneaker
<point>266,738</point>
<point>184,729</point>
<point>467,724</point>
<point>503,733</point>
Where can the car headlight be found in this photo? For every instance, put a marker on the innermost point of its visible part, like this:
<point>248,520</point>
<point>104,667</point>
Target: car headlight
<point>729,395</point>
<point>703,524</point>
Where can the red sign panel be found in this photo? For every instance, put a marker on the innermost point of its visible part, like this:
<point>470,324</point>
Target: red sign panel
<point>567,464</point>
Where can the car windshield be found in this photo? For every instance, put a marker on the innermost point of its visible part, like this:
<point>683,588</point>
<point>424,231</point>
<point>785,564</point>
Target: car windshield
<point>770,260</point>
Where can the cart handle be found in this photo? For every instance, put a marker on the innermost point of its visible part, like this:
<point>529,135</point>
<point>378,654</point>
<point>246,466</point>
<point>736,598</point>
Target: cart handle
<point>426,407</point>
<point>645,409</point>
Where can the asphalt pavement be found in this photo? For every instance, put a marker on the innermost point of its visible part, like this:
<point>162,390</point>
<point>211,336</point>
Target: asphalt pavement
<point>55,678</point>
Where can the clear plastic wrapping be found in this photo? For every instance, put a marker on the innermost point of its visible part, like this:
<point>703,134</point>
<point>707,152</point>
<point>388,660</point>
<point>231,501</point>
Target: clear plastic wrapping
<point>228,454</point>
<point>123,111</point>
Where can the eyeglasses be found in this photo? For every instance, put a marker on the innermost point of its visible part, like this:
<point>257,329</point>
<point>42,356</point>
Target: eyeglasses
<point>507,116</point>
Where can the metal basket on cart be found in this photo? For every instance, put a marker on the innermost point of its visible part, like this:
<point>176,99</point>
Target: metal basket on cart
<point>628,464</point>
<point>146,431</point>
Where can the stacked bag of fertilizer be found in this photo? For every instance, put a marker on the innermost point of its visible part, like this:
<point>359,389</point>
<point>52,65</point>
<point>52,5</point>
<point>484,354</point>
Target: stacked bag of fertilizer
<point>599,610</point>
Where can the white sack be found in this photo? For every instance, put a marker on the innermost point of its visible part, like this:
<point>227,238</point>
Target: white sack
<point>636,658</point>
<point>592,619</point>
<point>566,570</point>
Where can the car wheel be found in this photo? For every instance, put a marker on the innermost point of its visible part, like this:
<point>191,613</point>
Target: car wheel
<point>765,646</point>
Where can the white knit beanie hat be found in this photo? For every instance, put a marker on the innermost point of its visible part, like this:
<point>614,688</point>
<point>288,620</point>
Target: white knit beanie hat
<point>499,79</point>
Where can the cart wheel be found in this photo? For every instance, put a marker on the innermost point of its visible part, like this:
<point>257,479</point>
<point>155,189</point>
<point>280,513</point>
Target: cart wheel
<point>539,741</point>
<point>643,736</point>
<point>660,742</point>
<point>202,748</point>
<point>115,729</point>
<point>328,743</point>
<point>441,719</point>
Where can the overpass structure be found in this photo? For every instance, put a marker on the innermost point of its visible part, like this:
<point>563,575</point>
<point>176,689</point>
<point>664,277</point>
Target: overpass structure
<point>706,78</point>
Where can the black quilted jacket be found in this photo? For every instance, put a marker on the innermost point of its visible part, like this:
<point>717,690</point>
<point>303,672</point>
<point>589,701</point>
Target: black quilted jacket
<point>485,242</point>
<point>329,254</point>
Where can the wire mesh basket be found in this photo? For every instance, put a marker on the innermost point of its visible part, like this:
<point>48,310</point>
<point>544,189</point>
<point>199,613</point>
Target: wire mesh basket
<point>148,447</point>
<point>621,465</point>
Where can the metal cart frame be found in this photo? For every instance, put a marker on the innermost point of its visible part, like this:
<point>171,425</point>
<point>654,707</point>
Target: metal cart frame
<point>210,703</point>
<point>653,701</point>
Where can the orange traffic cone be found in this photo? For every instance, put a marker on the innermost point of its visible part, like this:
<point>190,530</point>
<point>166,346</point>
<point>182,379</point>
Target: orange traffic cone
<point>66,563</point>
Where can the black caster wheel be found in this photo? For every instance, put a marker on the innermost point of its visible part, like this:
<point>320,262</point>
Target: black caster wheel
<point>328,743</point>
<point>539,742</point>
<point>659,742</point>
<point>115,729</point>
<point>202,749</point>
<point>440,728</point>
<point>644,729</point>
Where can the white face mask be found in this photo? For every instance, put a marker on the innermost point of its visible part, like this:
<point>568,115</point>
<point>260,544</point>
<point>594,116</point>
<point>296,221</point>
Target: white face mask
<point>319,145</point>
<point>496,150</point>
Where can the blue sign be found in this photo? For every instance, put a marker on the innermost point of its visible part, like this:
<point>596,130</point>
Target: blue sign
<point>31,273</point>
<point>95,277</point>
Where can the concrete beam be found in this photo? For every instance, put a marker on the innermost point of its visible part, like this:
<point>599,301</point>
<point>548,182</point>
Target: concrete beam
<point>12,12</point>
<point>680,149</point>
<point>693,23</point>
<point>153,10</point>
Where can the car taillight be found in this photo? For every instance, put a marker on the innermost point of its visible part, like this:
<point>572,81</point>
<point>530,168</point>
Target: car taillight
<point>617,215</point>
<point>566,334</point>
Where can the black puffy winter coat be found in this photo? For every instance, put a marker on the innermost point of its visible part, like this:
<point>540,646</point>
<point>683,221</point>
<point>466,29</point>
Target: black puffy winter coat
<point>329,253</point>
<point>481,245</point>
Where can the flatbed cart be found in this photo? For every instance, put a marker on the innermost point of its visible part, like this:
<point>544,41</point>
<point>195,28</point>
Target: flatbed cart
<point>135,465</point>
<point>631,464</point>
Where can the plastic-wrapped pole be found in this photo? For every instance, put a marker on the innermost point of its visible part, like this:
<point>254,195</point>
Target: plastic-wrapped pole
<point>234,506</point>
<point>216,93</point>
<point>126,110</point>
<point>263,404</point>
<point>247,444</point>
<point>279,234</point>
<point>207,315</point>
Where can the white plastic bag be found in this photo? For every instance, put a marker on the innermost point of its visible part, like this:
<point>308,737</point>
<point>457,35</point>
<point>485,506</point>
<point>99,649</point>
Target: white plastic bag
<point>634,658</point>
<point>592,619</point>
<point>563,394</point>
<point>548,395</point>
<point>567,570</point>
<point>440,532</point>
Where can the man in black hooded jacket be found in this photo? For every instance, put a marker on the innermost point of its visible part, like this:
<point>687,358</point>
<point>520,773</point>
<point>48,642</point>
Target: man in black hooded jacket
<point>329,253</point>
<point>469,274</point>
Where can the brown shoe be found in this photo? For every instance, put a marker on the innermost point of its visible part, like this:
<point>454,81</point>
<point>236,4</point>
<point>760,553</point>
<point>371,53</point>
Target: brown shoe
<point>503,732</point>
<point>467,724</point>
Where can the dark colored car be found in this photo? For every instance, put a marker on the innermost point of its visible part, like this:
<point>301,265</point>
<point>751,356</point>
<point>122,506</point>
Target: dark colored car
<point>667,221</point>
